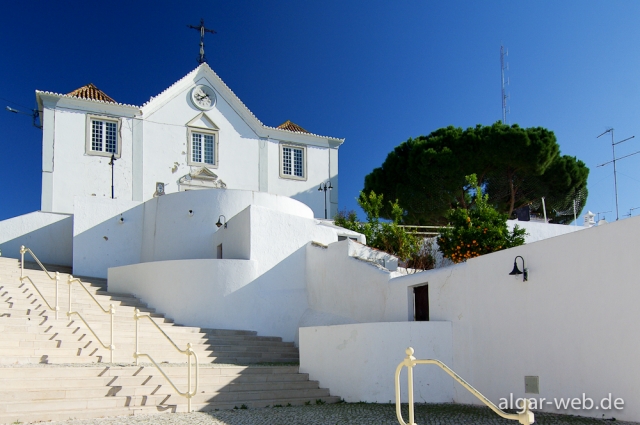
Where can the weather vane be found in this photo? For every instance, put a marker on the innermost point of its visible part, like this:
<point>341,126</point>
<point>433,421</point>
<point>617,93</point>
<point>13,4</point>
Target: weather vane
<point>202,30</point>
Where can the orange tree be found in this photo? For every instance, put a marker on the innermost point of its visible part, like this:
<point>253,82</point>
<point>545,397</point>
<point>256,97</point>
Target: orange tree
<point>478,230</point>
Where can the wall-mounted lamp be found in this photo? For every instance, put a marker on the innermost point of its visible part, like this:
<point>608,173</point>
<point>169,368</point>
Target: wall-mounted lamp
<point>121,219</point>
<point>190,213</point>
<point>516,271</point>
<point>220,223</point>
<point>324,187</point>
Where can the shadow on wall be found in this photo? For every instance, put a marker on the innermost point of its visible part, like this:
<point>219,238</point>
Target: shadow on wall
<point>114,241</point>
<point>222,294</point>
<point>52,242</point>
<point>315,200</point>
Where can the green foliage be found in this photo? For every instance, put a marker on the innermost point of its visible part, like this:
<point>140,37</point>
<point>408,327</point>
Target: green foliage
<point>477,230</point>
<point>515,166</point>
<point>388,237</point>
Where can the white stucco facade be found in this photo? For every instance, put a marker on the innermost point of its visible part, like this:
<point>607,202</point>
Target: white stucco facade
<point>355,360</point>
<point>572,324</point>
<point>49,235</point>
<point>182,225</point>
<point>154,144</point>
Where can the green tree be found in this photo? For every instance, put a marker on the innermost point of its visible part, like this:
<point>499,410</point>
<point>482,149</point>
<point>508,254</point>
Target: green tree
<point>515,166</point>
<point>388,237</point>
<point>477,230</point>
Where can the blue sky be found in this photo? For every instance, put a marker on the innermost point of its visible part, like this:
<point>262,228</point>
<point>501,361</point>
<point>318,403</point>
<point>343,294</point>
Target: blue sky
<point>373,72</point>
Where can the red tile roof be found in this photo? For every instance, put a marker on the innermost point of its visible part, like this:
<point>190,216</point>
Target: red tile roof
<point>91,92</point>
<point>288,125</point>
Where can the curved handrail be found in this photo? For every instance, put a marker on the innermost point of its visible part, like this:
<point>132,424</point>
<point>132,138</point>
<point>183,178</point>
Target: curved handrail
<point>525,417</point>
<point>111,311</point>
<point>189,352</point>
<point>55,277</point>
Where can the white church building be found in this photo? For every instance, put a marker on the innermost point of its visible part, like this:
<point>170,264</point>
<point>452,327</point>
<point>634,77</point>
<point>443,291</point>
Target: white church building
<point>123,198</point>
<point>196,134</point>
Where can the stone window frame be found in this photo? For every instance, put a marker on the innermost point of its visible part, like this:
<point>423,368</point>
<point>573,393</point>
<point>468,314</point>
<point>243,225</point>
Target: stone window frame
<point>203,131</point>
<point>291,175</point>
<point>89,146</point>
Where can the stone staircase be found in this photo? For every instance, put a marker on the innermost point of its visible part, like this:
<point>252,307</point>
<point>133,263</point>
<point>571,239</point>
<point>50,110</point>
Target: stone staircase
<point>56,369</point>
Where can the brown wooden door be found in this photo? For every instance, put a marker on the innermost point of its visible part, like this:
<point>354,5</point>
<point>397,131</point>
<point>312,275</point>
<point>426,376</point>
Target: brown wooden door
<point>421,303</point>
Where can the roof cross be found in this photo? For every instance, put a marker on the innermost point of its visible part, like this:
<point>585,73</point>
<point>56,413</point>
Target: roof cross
<point>202,30</point>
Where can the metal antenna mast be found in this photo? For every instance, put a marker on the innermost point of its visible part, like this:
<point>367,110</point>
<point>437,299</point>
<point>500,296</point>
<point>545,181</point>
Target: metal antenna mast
<point>202,30</point>
<point>503,67</point>
<point>615,175</point>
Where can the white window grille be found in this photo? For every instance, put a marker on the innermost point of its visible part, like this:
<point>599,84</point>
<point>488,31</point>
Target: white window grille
<point>293,163</point>
<point>102,136</point>
<point>203,148</point>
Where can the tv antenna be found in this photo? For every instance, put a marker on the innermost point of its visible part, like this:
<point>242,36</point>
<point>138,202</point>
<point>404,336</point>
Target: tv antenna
<point>503,67</point>
<point>631,209</point>
<point>615,175</point>
<point>603,217</point>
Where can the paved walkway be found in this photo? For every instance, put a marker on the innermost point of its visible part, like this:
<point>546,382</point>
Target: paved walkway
<point>339,414</point>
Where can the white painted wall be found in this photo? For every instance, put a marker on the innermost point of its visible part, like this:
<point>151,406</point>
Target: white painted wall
<point>48,235</point>
<point>573,324</point>
<point>162,228</point>
<point>166,127</point>
<point>343,289</point>
<point>357,362</point>
<point>204,293</point>
<point>538,231</point>
<point>259,285</point>
<point>101,239</point>
<point>319,171</point>
<point>70,172</point>
<point>171,233</point>
<point>275,237</point>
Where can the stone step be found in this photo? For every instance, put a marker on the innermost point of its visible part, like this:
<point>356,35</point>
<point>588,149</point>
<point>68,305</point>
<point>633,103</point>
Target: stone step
<point>208,382</point>
<point>153,340</point>
<point>90,370</point>
<point>158,388</point>
<point>105,402</point>
<point>101,356</point>
<point>93,388</point>
<point>62,415</point>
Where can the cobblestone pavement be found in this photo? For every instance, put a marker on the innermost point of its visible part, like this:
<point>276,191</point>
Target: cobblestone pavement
<point>338,414</point>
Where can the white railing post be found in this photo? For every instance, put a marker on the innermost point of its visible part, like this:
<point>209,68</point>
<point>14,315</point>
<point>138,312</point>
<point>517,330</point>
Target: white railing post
<point>112,312</point>
<point>135,317</point>
<point>189,395</point>
<point>22,251</point>
<point>525,416</point>
<point>410,388</point>
<point>69,282</point>
<point>57,281</point>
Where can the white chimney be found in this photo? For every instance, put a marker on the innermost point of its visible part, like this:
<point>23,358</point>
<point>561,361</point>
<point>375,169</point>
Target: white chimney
<point>589,219</point>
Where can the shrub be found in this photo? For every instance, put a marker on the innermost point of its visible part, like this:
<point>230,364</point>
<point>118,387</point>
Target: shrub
<point>478,230</point>
<point>385,236</point>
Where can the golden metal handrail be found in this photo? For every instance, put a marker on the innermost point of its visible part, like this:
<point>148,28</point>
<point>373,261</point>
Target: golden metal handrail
<point>525,417</point>
<point>189,352</point>
<point>55,277</point>
<point>111,311</point>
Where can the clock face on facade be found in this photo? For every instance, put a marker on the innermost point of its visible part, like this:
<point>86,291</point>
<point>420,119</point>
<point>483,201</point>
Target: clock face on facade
<point>203,97</point>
